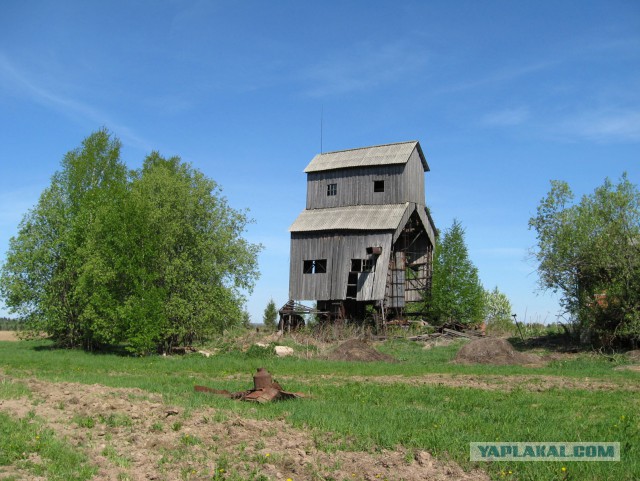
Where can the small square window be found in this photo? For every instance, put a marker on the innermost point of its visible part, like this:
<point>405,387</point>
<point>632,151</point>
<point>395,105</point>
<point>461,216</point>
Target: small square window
<point>378,185</point>
<point>332,189</point>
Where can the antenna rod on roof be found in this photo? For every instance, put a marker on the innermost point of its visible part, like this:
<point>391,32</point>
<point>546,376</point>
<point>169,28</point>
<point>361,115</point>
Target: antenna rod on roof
<point>321,125</point>
<point>321,120</point>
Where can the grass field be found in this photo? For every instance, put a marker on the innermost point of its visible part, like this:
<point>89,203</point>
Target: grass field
<point>422,403</point>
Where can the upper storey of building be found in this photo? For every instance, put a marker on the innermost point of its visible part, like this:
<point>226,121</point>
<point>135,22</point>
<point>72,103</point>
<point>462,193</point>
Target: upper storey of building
<point>383,174</point>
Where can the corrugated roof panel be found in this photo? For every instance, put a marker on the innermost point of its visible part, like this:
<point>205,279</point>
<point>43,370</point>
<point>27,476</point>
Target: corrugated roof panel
<point>366,156</point>
<point>357,217</point>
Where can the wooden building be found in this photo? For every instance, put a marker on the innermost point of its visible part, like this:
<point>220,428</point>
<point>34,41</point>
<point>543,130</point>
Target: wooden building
<point>365,236</point>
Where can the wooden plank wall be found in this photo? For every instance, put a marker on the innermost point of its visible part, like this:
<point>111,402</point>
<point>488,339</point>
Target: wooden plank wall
<point>338,248</point>
<point>413,179</point>
<point>402,183</point>
<point>355,187</point>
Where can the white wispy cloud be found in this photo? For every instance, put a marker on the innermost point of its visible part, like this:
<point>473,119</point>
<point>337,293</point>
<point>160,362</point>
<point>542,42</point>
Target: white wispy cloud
<point>63,104</point>
<point>604,126</point>
<point>506,117</point>
<point>362,67</point>
<point>501,76</point>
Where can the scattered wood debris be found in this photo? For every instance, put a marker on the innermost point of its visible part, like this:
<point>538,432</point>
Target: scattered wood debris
<point>446,331</point>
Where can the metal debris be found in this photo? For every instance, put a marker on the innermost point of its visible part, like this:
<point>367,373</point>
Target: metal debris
<point>265,390</point>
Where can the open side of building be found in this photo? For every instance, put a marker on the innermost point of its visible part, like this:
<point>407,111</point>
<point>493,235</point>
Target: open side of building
<point>365,237</point>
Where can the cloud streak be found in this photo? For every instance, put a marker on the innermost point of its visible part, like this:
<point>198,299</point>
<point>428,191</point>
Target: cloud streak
<point>604,126</point>
<point>498,77</point>
<point>506,117</point>
<point>65,105</point>
<point>363,67</point>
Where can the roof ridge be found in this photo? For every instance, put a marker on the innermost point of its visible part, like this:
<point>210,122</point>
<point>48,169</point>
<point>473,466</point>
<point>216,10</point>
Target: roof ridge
<point>369,147</point>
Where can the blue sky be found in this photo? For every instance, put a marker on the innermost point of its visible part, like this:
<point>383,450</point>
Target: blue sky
<point>503,97</point>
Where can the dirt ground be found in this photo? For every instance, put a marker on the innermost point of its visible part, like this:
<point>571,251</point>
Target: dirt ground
<point>357,350</point>
<point>8,336</point>
<point>135,436</point>
<point>495,351</point>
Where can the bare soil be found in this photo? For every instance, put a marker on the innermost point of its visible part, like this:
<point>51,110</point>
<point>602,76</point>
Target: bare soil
<point>357,350</point>
<point>634,355</point>
<point>496,351</point>
<point>136,436</point>
<point>8,336</point>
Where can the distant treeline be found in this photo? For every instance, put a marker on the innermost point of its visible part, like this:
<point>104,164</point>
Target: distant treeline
<point>7,324</point>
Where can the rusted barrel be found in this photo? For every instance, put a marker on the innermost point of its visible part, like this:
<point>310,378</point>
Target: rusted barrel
<point>262,379</point>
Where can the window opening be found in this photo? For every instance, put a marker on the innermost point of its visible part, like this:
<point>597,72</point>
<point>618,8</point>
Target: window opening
<point>362,265</point>
<point>378,185</point>
<point>356,265</point>
<point>316,266</point>
<point>332,189</point>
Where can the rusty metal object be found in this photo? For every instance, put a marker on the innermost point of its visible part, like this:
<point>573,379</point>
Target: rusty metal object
<point>262,379</point>
<point>265,390</point>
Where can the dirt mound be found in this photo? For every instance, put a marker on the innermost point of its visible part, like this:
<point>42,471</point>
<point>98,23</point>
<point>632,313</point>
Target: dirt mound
<point>634,355</point>
<point>494,351</point>
<point>357,350</point>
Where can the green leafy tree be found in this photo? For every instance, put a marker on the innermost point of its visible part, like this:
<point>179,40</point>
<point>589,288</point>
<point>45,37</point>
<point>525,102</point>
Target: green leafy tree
<point>589,252</point>
<point>498,311</point>
<point>48,272</point>
<point>456,293</point>
<point>190,261</point>
<point>154,258</point>
<point>270,316</point>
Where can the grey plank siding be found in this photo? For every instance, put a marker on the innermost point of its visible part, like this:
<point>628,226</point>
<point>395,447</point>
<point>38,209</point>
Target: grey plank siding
<point>403,221</point>
<point>413,179</point>
<point>427,222</point>
<point>355,187</point>
<point>338,248</point>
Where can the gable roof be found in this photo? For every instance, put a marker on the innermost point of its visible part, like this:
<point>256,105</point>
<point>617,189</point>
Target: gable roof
<point>355,217</point>
<point>367,156</point>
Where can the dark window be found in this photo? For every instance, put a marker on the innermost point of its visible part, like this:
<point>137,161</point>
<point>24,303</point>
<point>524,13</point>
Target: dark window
<point>332,189</point>
<point>362,265</point>
<point>321,266</point>
<point>378,185</point>
<point>317,266</point>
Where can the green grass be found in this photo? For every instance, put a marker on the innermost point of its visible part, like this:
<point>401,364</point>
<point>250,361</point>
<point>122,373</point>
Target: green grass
<point>28,445</point>
<point>370,415</point>
<point>12,390</point>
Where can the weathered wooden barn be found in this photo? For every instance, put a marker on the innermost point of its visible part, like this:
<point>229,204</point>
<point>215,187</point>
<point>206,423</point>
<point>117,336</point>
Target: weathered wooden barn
<point>365,236</point>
